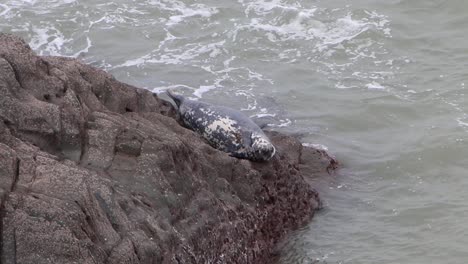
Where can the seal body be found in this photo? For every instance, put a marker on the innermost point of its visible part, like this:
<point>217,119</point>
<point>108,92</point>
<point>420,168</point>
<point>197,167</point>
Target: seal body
<point>225,129</point>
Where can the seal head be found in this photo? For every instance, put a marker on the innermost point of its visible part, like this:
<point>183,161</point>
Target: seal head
<point>225,129</point>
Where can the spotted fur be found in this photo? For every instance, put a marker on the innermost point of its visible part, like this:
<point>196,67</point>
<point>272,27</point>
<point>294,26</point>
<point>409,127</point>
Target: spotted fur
<point>225,129</point>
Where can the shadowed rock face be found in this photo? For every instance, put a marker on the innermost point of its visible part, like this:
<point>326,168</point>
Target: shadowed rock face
<point>96,171</point>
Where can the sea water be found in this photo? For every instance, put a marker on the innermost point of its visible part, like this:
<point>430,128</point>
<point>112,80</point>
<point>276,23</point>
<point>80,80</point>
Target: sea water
<point>380,83</point>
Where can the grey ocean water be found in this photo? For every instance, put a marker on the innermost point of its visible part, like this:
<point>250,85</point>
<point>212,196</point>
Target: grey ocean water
<point>381,83</point>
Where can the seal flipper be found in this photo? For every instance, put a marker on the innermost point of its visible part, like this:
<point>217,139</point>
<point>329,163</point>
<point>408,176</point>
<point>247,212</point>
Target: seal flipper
<point>239,155</point>
<point>178,99</point>
<point>247,138</point>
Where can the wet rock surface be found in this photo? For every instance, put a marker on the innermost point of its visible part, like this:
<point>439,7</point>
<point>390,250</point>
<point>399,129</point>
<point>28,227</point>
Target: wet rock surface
<point>96,171</point>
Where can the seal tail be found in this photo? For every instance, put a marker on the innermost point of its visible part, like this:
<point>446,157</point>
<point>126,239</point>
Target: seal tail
<point>178,99</point>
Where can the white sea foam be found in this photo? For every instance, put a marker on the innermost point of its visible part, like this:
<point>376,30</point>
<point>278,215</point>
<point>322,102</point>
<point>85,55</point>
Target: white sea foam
<point>316,146</point>
<point>263,115</point>
<point>305,26</point>
<point>134,62</point>
<point>331,34</point>
<point>85,49</point>
<point>40,6</point>
<point>179,11</point>
<point>203,89</point>
<point>196,10</point>
<point>161,89</point>
<point>374,85</point>
<point>344,29</point>
<point>462,121</point>
<point>340,85</point>
<point>48,40</point>
<point>263,7</point>
<point>180,56</point>
<point>4,9</point>
<point>282,123</point>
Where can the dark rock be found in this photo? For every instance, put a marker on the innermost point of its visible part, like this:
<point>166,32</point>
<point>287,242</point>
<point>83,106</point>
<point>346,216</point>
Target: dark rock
<point>96,171</point>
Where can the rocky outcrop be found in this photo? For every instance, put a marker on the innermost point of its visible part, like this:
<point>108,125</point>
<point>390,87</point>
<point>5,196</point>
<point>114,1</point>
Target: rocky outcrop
<point>96,171</point>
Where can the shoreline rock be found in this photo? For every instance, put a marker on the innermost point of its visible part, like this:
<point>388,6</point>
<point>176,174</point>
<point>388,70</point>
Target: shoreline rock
<point>97,171</point>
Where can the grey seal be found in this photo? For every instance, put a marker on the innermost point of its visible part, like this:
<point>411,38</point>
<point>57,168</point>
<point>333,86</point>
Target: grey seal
<point>225,129</point>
